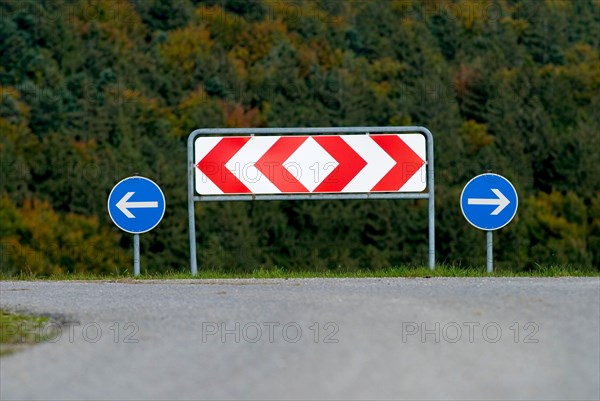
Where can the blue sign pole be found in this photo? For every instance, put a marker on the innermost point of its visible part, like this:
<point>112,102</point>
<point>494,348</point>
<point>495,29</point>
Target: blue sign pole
<point>136,205</point>
<point>489,202</point>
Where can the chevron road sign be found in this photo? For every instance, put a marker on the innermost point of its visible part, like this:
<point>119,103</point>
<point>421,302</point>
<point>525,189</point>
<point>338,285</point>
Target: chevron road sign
<point>310,163</point>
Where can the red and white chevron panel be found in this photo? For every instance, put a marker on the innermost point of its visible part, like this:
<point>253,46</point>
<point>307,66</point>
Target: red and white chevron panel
<point>310,164</point>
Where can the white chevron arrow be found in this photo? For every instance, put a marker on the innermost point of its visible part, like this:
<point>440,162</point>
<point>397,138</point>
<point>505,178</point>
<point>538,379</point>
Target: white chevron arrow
<point>378,163</point>
<point>501,201</point>
<point>242,165</point>
<point>124,206</point>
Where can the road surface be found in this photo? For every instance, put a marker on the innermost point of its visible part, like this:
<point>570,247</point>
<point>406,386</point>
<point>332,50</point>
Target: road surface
<point>437,338</point>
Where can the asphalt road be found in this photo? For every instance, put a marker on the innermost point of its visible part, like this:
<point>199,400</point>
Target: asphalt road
<point>438,338</point>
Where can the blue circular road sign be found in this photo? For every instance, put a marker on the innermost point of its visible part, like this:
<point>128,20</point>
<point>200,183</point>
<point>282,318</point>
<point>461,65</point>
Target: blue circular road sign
<point>136,205</point>
<point>489,201</point>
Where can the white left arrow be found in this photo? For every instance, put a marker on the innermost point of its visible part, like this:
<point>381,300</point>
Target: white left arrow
<point>124,206</point>
<point>501,201</point>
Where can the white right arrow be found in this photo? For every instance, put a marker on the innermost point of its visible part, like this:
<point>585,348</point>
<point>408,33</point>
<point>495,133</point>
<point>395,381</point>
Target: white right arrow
<point>501,201</point>
<point>124,206</point>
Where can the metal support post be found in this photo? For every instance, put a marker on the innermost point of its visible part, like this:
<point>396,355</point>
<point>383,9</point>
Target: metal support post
<point>490,252</point>
<point>136,255</point>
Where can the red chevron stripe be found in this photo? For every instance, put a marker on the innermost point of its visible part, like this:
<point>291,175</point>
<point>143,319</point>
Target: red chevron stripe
<point>213,165</point>
<point>271,164</point>
<point>407,163</point>
<point>349,163</point>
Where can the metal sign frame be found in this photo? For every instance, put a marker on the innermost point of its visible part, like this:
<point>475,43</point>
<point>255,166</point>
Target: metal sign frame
<point>193,197</point>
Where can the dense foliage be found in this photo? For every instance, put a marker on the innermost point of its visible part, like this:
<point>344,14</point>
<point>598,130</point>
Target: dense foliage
<point>92,92</point>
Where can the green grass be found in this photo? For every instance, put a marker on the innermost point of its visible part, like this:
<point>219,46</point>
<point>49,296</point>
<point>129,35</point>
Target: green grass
<point>278,272</point>
<point>19,331</point>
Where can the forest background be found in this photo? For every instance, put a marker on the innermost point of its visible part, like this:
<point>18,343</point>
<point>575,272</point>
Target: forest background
<point>95,91</point>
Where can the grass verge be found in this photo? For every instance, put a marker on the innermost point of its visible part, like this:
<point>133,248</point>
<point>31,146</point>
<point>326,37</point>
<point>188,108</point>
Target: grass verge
<point>282,273</point>
<point>19,331</point>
